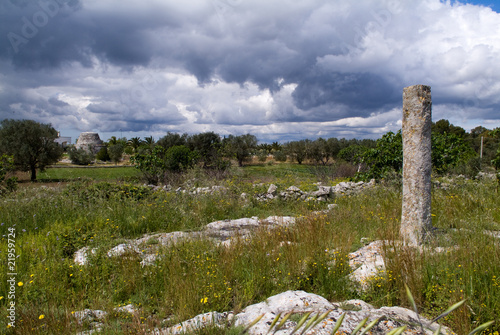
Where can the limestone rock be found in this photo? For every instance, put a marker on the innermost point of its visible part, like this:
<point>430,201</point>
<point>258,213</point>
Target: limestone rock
<point>294,189</point>
<point>89,315</point>
<point>272,189</point>
<point>198,322</point>
<point>218,231</point>
<point>300,302</point>
<point>130,308</point>
<point>356,310</point>
<point>367,263</point>
<point>227,228</point>
<point>121,249</point>
<point>417,165</point>
<point>81,255</point>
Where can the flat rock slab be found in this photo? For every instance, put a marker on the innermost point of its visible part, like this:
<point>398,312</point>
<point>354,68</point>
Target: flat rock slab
<point>367,263</point>
<point>300,302</point>
<point>218,231</point>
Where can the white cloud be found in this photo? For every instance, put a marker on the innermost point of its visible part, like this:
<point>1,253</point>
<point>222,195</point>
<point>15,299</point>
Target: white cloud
<point>281,69</point>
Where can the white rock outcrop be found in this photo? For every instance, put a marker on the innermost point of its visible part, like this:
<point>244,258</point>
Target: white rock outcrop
<point>300,302</point>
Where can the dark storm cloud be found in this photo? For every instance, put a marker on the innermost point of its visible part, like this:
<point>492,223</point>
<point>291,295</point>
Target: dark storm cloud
<point>358,90</point>
<point>55,102</point>
<point>257,49</point>
<point>200,64</point>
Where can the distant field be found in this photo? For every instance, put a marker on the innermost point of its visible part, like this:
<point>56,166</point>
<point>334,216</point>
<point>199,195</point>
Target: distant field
<point>96,173</point>
<point>51,223</point>
<point>280,173</point>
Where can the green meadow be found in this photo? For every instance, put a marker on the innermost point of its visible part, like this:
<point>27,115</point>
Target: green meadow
<point>103,207</point>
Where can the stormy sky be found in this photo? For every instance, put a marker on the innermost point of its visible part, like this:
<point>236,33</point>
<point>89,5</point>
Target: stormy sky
<point>279,69</point>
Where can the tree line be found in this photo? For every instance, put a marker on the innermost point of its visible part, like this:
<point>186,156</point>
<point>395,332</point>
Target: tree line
<point>28,145</point>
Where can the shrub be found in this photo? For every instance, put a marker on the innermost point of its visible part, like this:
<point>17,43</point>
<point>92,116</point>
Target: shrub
<point>115,152</point>
<point>179,157</point>
<point>280,156</point>
<point>80,156</point>
<point>151,164</point>
<point>7,165</point>
<point>262,155</point>
<point>103,155</point>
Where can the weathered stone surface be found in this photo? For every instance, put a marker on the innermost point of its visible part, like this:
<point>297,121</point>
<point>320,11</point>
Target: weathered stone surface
<point>130,308</point>
<point>198,322</point>
<point>417,167</point>
<point>294,189</point>
<point>92,318</point>
<point>122,249</point>
<point>367,263</point>
<point>272,189</point>
<point>89,141</point>
<point>300,302</point>
<point>81,256</point>
<point>223,230</point>
<point>218,231</point>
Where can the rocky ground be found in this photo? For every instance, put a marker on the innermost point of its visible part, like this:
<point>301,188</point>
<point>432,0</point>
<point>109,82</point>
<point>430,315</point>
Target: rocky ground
<point>367,262</point>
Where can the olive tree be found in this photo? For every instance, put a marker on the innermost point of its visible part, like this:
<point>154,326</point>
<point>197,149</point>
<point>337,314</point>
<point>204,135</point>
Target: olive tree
<point>240,147</point>
<point>30,143</point>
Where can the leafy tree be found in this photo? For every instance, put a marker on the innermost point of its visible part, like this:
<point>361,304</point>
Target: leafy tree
<point>297,150</point>
<point>151,164</point>
<point>444,126</point>
<point>208,145</point>
<point>265,148</point>
<point>489,143</point>
<point>449,150</point>
<point>387,156</point>
<point>156,163</point>
<point>135,143</point>
<point>81,156</point>
<point>333,146</point>
<point>353,154</point>
<point>280,156</point>
<point>496,164</point>
<point>496,160</point>
<point>478,131</point>
<point>275,146</point>
<point>113,140</point>
<point>179,158</point>
<point>116,152</point>
<point>262,155</point>
<point>30,143</point>
<point>103,154</point>
<point>319,151</point>
<point>172,139</point>
<point>240,147</point>
<point>6,166</point>
<point>149,141</point>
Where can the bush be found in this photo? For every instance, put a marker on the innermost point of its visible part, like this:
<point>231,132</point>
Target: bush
<point>280,156</point>
<point>7,184</point>
<point>262,155</point>
<point>80,156</point>
<point>179,157</point>
<point>151,164</point>
<point>106,190</point>
<point>116,152</point>
<point>470,169</point>
<point>103,155</point>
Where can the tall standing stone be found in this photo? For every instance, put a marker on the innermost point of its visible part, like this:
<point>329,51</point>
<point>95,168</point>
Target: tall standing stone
<point>417,166</point>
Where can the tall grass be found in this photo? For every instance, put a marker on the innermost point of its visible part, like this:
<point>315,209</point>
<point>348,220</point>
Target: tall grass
<point>200,276</point>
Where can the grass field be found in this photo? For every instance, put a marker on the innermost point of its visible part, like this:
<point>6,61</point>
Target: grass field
<point>104,207</point>
<point>109,173</point>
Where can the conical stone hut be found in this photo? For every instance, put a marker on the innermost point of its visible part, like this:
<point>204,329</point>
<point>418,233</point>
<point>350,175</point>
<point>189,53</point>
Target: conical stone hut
<point>89,141</point>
